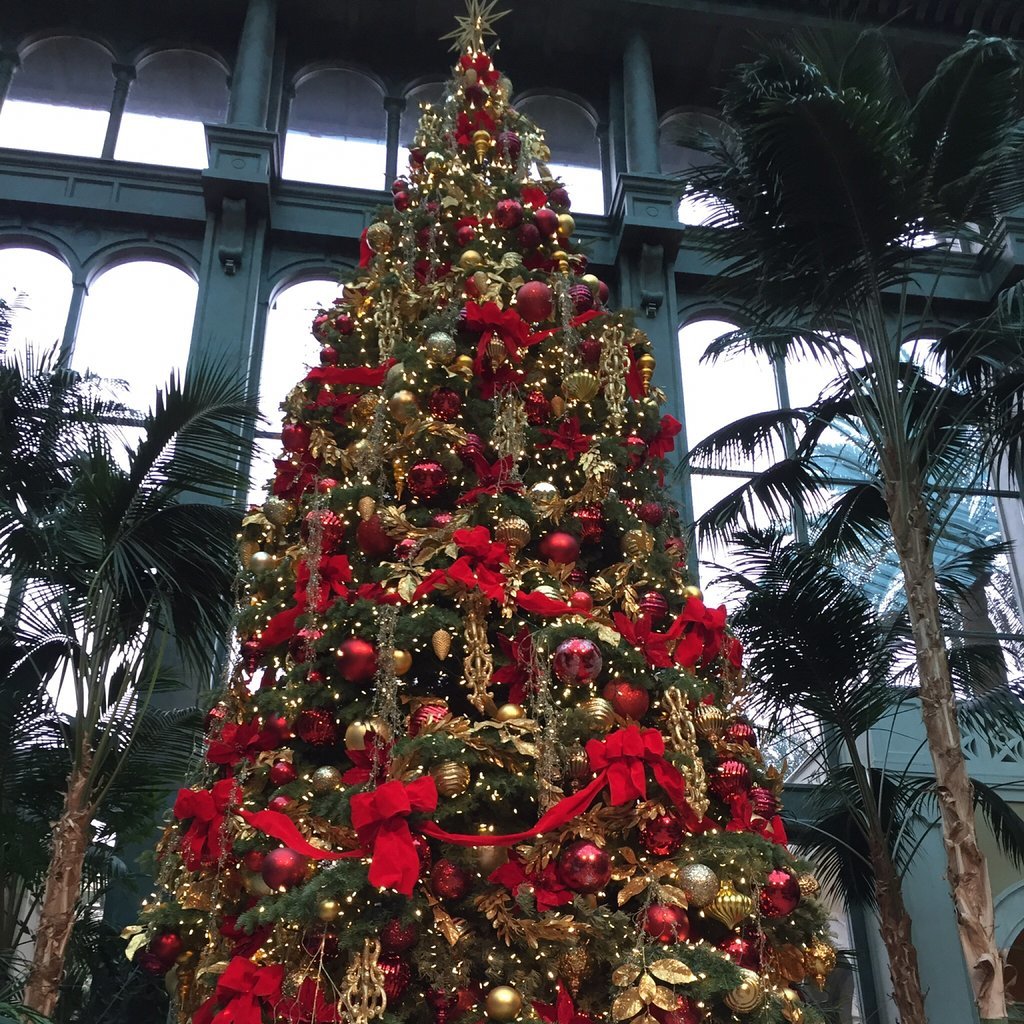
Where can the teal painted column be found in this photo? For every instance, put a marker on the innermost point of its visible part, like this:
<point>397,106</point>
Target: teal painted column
<point>616,127</point>
<point>604,144</point>
<point>641,108</point>
<point>74,317</point>
<point>394,106</point>
<point>9,63</point>
<point>254,66</point>
<point>124,75</point>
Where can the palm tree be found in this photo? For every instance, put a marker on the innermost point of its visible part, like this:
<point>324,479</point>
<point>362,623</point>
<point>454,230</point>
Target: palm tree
<point>842,202</point>
<point>819,651</point>
<point>112,564</point>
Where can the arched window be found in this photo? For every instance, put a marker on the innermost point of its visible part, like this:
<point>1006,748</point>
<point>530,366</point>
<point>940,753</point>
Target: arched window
<point>289,349</point>
<point>59,101</point>
<point>432,93</point>
<point>336,131</point>
<point>174,94</point>
<point>136,326</point>
<point>37,289</point>
<point>575,154</point>
<point>678,156</point>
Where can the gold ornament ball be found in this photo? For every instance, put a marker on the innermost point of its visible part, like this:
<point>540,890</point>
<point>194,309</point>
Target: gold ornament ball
<point>513,532</point>
<point>441,347</point>
<point>325,779</point>
<point>599,714</point>
<point>509,713</point>
<point>328,910</point>
<point>747,995</point>
<point>709,721</point>
<point>402,661</point>
<point>592,281</point>
<point>261,561</point>
<point>395,374</point>
<point>543,496</point>
<point>692,591</point>
<point>433,161</point>
<point>441,641</point>
<point>792,1005</point>
<point>379,237</point>
<point>363,410</point>
<point>403,406</point>
<point>463,365</point>
<point>451,777</point>
<point>355,735</point>
<point>809,885</point>
<point>637,543</point>
<point>699,883</point>
<point>253,883</point>
<point>820,960</point>
<point>279,511</point>
<point>729,906</point>
<point>566,224</point>
<point>581,385</point>
<point>470,259</point>
<point>503,1003</point>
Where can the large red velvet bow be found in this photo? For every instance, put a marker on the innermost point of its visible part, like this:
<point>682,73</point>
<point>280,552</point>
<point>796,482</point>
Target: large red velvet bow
<point>243,990</point>
<point>623,759</point>
<point>505,324</point>
<point>203,844</point>
<point>381,821</point>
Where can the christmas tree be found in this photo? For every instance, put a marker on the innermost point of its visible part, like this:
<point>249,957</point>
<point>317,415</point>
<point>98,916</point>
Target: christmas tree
<point>482,756</point>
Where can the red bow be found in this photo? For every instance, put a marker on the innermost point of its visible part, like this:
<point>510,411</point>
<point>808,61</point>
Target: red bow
<point>642,635</point>
<point>477,569</point>
<point>466,124</point>
<point>280,628</point>
<point>623,758</point>
<point>335,571</point>
<point>744,820</point>
<point>509,327</point>
<point>563,1011</point>
<point>381,820</point>
<point>492,478</point>
<point>482,65</point>
<point>704,635</point>
<point>243,991</point>
<point>663,441</point>
<point>540,604</point>
<point>291,479</point>
<point>569,438</point>
<point>548,890</point>
<point>204,843</point>
<point>236,742</point>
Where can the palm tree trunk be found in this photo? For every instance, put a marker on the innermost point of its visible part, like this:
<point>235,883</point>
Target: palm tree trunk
<point>895,928</point>
<point>60,895</point>
<point>966,867</point>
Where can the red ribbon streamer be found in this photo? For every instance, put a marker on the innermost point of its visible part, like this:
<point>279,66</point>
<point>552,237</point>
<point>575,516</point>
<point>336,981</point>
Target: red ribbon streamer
<point>243,990</point>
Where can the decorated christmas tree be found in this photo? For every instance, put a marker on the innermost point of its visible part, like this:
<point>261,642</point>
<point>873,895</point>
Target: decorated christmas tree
<point>482,755</point>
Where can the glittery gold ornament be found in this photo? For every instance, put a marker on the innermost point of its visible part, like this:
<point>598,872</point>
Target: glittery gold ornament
<point>441,642</point>
<point>403,406</point>
<point>433,161</point>
<point>363,410</point>
<point>496,352</point>
<point>328,910</point>
<point>787,961</point>
<point>366,507</point>
<point>452,778</point>
<point>509,713</point>
<point>792,1005</point>
<point>543,497</point>
<point>261,561</point>
<point>566,224</point>
<point>581,385</point>
<point>514,532</point>
<point>645,364</point>
<point>747,995</point>
<point>463,365</point>
<point>598,713</point>
<point>820,960</point>
<point>503,1003</point>
<point>379,237</point>
<point>481,144</point>
<point>709,721</point>
<point>440,347</point>
<point>279,511</point>
<point>809,885</point>
<point>402,661</point>
<point>573,966</point>
<point>470,259</point>
<point>637,543</point>
<point>691,591</point>
<point>729,906</point>
<point>325,779</point>
<point>700,883</point>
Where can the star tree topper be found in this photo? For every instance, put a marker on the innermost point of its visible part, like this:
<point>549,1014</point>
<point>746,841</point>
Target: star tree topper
<point>475,25</point>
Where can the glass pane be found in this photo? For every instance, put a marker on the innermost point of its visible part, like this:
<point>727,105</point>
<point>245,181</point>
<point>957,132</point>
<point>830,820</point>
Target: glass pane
<point>37,287</point>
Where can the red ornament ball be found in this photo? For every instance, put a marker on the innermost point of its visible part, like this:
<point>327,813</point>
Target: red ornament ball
<point>558,198</point>
<point>399,185</point>
<point>448,880</point>
<point>560,547</point>
<point>577,661</point>
<point>590,350</point>
<point>686,1012</point>
<point>166,947</point>
<point>465,234</point>
<point>666,923</point>
<point>508,213</point>
<point>399,937</point>
<point>330,525</point>
<point>729,778</point>
<point>742,952</point>
<point>662,835</point>
<point>763,801</point>
<point>357,659</point>
<point>424,715</point>
<point>280,727</point>
<point>602,293</point>
<point>405,547</point>
<point>295,437</point>
<point>654,605</point>
<point>627,699</point>
<point>546,221</point>
<point>581,601</point>
<point>440,520</point>
<point>780,895</point>
<point>582,298</point>
<point>509,145</point>
<point>317,727</point>
<point>282,772</point>
<point>590,522</point>
<point>397,975</point>
<point>741,732</point>
<point>344,324</point>
<point>636,452</point>
<point>280,803</point>
<point>282,869</point>
<point>538,408</point>
<point>445,404</point>
<point>651,512</point>
<point>372,539</point>
<point>328,355</point>
<point>534,301</point>
<point>403,200</point>
<point>471,449</point>
<point>321,943</point>
<point>584,866</point>
<point>253,860</point>
<point>528,237</point>
<point>427,480</point>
